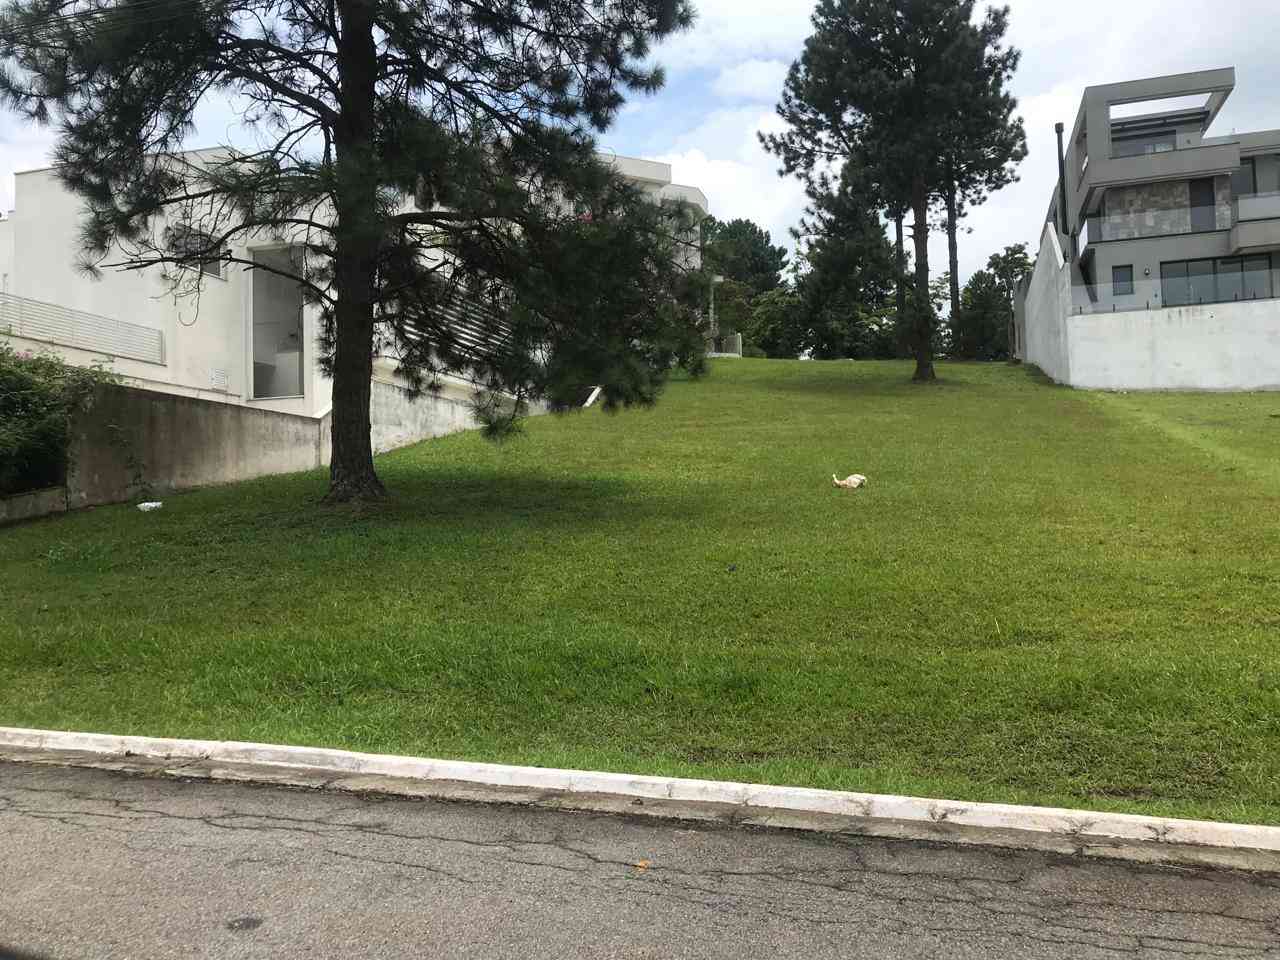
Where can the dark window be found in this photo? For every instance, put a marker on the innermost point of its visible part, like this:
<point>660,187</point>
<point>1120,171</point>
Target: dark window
<point>198,247</point>
<point>1143,144</point>
<point>1122,281</point>
<point>1203,199</point>
<point>1244,182</point>
<point>1173,283</point>
<point>1215,281</point>
<point>1203,214</point>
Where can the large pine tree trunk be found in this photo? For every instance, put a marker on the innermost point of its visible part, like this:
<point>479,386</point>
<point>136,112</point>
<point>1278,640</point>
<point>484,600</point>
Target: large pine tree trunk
<point>351,473</point>
<point>922,309</point>
<point>953,251</point>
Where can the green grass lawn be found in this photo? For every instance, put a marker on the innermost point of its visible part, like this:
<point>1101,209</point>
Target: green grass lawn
<point>1043,596</point>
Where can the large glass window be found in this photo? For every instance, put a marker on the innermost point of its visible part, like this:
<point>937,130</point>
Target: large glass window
<point>1143,144</point>
<point>1200,285</point>
<point>1257,277</point>
<point>1215,281</point>
<point>1173,283</point>
<point>1230,280</point>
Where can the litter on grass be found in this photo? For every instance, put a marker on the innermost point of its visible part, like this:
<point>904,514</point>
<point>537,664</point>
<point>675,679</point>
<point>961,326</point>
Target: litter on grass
<point>851,482</point>
<point>150,505</point>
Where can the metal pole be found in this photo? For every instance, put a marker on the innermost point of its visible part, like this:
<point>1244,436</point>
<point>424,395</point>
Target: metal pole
<point>1065,227</point>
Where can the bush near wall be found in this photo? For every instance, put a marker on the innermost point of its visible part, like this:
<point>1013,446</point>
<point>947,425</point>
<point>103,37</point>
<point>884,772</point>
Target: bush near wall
<point>39,394</point>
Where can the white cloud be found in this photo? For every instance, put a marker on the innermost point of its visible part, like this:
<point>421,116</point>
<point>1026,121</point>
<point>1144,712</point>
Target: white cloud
<point>723,156</point>
<point>751,80</point>
<point>746,44</point>
<point>737,53</point>
<point>1016,213</point>
<point>730,31</point>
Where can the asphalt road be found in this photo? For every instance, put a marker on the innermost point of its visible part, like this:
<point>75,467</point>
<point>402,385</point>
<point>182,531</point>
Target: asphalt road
<point>97,865</point>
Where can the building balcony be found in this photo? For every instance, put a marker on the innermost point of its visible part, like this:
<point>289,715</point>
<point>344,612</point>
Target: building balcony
<point>1257,206</point>
<point>1182,222</point>
<point>1256,222</point>
<point>1187,163</point>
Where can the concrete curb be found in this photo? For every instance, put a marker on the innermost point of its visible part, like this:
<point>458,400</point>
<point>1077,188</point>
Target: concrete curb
<point>1077,832</point>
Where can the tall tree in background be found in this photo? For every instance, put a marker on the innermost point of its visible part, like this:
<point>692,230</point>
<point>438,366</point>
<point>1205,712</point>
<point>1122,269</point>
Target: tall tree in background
<point>1011,266</point>
<point>851,271</point>
<point>407,149</point>
<point>985,141</point>
<point>742,251</point>
<point>879,86</point>
<point>979,329</point>
<point>982,329</point>
<point>778,326</point>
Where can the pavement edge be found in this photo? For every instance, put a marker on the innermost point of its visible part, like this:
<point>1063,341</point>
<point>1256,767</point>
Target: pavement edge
<point>1132,837</point>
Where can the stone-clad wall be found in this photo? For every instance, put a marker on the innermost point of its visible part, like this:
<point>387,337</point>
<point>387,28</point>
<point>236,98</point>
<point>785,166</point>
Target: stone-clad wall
<point>1222,202</point>
<point>1159,209</point>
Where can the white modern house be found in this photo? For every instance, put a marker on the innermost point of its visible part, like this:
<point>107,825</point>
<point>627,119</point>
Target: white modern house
<point>247,341</point>
<point>1159,260</point>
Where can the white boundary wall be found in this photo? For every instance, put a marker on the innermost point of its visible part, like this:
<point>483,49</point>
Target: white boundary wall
<point>1217,346</point>
<point>1047,309</point>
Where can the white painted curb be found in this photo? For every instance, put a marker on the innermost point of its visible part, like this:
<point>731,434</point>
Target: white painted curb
<point>1126,836</point>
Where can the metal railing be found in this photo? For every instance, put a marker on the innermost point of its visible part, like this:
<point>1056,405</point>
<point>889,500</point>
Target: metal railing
<point>50,323</point>
<point>1096,229</point>
<point>1152,293</point>
<point>1257,206</point>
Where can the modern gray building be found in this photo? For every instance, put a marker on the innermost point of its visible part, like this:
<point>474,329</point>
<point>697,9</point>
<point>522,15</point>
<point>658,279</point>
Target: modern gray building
<point>1160,257</point>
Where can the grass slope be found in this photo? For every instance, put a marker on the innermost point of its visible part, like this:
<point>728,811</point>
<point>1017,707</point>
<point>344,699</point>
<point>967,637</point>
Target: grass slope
<point>1043,596</point>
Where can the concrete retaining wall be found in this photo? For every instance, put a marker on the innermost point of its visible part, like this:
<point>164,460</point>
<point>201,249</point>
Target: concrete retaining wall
<point>37,503</point>
<point>135,440</point>
<point>1222,346</point>
<point>398,421</point>
<point>132,436</point>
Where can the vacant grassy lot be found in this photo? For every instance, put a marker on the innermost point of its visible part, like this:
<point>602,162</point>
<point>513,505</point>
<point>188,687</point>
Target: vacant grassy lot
<point>1043,596</point>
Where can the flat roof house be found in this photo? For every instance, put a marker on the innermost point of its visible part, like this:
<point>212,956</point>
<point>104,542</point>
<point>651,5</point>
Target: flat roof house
<point>233,372</point>
<point>1159,262</point>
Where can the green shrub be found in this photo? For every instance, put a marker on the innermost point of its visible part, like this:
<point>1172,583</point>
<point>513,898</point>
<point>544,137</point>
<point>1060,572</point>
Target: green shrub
<point>39,394</point>
<point>751,350</point>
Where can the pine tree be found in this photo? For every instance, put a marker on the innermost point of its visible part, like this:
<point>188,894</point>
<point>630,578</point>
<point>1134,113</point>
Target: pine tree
<point>851,271</point>
<point>1011,266</point>
<point>879,85</point>
<point>743,251</point>
<point>986,140</point>
<point>979,329</point>
<point>415,152</point>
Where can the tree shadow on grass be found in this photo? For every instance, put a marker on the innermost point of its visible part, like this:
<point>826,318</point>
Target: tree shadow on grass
<point>436,506</point>
<point>1037,376</point>
<point>481,494</point>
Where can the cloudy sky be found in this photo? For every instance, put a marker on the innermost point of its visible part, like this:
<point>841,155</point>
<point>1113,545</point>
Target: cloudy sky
<point>724,77</point>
